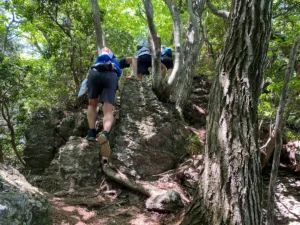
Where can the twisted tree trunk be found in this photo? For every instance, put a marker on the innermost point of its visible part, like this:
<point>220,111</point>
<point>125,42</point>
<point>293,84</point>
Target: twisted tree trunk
<point>229,191</point>
<point>180,80</point>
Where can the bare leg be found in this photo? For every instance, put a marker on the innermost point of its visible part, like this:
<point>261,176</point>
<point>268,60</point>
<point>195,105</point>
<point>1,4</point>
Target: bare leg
<point>108,120</point>
<point>134,66</point>
<point>108,117</point>
<point>92,113</point>
<point>133,62</point>
<point>163,69</point>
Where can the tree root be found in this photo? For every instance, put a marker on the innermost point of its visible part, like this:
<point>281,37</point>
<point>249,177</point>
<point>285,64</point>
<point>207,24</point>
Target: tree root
<point>145,188</point>
<point>159,199</point>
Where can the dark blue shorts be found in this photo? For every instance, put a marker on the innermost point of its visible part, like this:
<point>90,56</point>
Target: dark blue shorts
<point>168,62</point>
<point>104,84</point>
<point>143,63</point>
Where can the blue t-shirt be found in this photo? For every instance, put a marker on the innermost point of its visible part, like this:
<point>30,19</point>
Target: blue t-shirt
<point>166,51</point>
<point>104,58</point>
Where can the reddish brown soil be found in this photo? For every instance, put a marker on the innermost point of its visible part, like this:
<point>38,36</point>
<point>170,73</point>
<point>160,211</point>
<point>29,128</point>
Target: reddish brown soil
<point>108,212</point>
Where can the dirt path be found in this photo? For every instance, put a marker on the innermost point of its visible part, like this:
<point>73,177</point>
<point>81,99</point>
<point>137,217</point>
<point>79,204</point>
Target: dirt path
<point>126,209</point>
<point>287,197</point>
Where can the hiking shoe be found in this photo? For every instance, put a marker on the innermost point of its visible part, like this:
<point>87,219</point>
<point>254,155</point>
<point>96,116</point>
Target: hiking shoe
<point>105,148</point>
<point>91,135</point>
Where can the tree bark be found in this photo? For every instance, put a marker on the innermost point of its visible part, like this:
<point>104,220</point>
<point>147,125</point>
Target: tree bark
<point>1,153</point>
<point>179,82</point>
<point>177,40</point>
<point>230,189</point>
<point>278,140</point>
<point>97,24</point>
<point>193,43</point>
<point>221,13</point>
<point>156,52</point>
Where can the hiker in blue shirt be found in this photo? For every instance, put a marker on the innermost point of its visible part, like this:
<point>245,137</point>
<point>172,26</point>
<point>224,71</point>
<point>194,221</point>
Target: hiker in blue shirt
<point>144,60</point>
<point>167,58</point>
<point>102,82</point>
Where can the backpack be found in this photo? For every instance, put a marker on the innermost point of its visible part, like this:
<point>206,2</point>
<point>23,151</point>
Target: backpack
<point>106,56</point>
<point>167,51</point>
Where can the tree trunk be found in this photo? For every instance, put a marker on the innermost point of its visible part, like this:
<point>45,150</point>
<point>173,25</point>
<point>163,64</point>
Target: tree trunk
<point>156,52</point>
<point>221,13</point>
<point>97,24</point>
<point>177,40</point>
<point>1,153</point>
<point>7,117</point>
<point>193,43</point>
<point>179,82</point>
<point>278,140</point>
<point>178,85</point>
<point>229,191</point>
<point>73,68</point>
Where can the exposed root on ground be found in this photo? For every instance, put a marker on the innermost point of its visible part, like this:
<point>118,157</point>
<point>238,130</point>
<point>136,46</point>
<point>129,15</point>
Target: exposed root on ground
<point>163,199</point>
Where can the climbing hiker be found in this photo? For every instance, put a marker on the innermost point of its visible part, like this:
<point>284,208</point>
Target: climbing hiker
<point>144,60</point>
<point>167,58</point>
<point>102,82</point>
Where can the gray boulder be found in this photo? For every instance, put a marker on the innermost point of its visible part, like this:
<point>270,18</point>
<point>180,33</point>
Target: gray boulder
<point>165,201</point>
<point>48,130</point>
<point>21,203</point>
<point>148,136</point>
<point>42,139</point>
<point>79,164</point>
<point>74,124</point>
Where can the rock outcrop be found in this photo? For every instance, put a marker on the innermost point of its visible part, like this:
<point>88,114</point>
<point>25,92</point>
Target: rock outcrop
<point>79,164</point>
<point>148,138</point>
<point>195,110</point>
<point>20,202</point>
<point>47,131</point>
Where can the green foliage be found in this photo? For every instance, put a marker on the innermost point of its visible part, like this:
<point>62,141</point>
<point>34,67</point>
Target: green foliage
<point>285,28</point>
<point>193,145</point>
<point>290,135</point>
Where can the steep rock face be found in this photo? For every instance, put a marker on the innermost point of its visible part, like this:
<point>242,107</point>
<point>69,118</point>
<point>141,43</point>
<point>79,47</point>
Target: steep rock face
<point>73,124</point>
<point>21,203</point>
<point>42,139</point>
<point>195,110</point>
<point>148,138</point>
<point>78,163</point>
<point>47,131</point>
